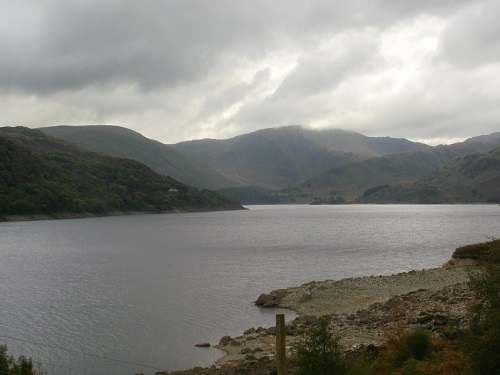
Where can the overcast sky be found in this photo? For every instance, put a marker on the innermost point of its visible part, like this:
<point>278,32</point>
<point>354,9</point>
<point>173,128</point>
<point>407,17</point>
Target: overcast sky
<point>174,70</point>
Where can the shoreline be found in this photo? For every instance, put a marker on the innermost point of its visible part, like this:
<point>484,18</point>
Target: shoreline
<point>87,215</point>
<point>360,300</point>
<point>360,309</point>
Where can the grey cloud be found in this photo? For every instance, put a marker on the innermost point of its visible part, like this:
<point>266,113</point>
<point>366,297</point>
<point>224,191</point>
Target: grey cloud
<point>319,71</point>
<point>162,43</point>
<point>473,37</point>
<point>175,65</point>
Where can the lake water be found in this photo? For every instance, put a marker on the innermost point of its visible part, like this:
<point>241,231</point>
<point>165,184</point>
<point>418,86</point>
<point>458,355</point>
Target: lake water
<point>144,289</point>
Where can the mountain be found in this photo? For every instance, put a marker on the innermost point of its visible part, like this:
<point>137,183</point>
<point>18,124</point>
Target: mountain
<point>162,158</point>
<point>473,178</point>
<point>351,179</point>
<point>280,157</point>
<point>40,174</point>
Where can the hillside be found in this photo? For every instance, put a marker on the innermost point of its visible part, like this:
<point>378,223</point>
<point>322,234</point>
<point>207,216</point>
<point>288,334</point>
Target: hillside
<point>126,143</point>
<point>286,156</point>
<point>473,178</point>
<point>351,179</point>
<point>40,174</point>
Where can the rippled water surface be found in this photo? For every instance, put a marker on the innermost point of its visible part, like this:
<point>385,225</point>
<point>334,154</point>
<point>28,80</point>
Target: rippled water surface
<point>144,289</point>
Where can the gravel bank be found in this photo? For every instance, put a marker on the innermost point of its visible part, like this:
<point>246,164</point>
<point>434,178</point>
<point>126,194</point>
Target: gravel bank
<point>350,295</point>
<point>360,309</point>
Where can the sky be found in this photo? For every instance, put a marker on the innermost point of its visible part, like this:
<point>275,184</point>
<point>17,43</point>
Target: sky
<point>176,70</point>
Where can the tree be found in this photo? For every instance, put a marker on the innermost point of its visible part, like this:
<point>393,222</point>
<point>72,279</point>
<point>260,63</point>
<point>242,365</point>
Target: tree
<point>319,351</point>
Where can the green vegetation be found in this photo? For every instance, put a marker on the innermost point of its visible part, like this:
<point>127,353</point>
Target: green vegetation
<point>161,158</point>
<point>251,195</point>
<point>473,350</point>
<point>473,178</point>
<point>39,175</point>
<point>482,338</point>
<point>20,366</point>
<point>405,352</point>
<point>313,163</point>
<point>281,157</point>
<point>486,252</point>
<point>319,352</point>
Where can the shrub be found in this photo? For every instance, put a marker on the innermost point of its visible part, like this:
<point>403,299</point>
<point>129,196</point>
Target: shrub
<point>21,366</point>
<point>418,343</point>
<point>486,251</point>
<point>403,350</point>
<point>482,338</point>
<point>319,351</point>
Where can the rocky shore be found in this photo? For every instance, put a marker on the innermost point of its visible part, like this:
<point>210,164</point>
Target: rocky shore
<point>361,310</point>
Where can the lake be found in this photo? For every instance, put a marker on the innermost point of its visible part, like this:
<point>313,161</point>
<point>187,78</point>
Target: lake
<point>116,295</point>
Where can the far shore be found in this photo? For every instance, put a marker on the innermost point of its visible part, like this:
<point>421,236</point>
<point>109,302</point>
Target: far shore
<point>85,215</point>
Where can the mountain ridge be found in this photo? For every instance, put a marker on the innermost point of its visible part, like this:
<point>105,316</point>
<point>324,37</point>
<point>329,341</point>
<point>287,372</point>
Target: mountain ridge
<point>43,175</point>
<point>286,156</point>
<point>471,178</point>
<point>352,179</point>
<point>126,143</point>
<point>290,163</point>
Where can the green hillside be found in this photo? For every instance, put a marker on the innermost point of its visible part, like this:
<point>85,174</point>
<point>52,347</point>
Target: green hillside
<point>162,158</point>
<point>43,175</point>
<point>350,180</point>
<point>473,178</point>
<point>286,156</point>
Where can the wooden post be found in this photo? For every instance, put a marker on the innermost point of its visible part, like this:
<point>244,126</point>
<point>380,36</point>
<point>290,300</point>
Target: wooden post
<point>280,344</point>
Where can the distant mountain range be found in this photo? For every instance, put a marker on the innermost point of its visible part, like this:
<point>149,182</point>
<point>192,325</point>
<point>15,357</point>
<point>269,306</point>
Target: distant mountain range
<point>43,175</point>
<point>473,178</point>
<point>352,179</point>
<point>282,165</point>
<point>164,159</point>
<point>281,157</point>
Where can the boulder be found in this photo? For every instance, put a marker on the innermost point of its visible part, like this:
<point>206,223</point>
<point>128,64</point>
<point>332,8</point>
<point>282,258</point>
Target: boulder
<point>202,345</point>
<point>249,331</point>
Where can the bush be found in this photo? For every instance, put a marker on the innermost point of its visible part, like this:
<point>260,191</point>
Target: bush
<point>482,338</point>
<point>403,350</point>
<point>21,366</point>
<point>319,351</point>
<point>418,343</point>
<point>486,251</point>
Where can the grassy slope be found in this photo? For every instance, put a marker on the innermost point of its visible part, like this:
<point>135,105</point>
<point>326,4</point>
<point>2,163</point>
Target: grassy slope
<point>352,179</point>
<point>162,158</point>
<point>43,175</point>
<point>471,178</point>
<point>286,156</point>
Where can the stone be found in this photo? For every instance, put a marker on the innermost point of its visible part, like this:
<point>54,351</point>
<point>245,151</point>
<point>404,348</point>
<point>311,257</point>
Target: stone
<point>440,320</point>
<point>202,345</point>
<point>245,350</point>
<point>305,297</point>
<point>271,331</point>
<point>224,340</point>
<point>267,300</point>
<point>424,317</point>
